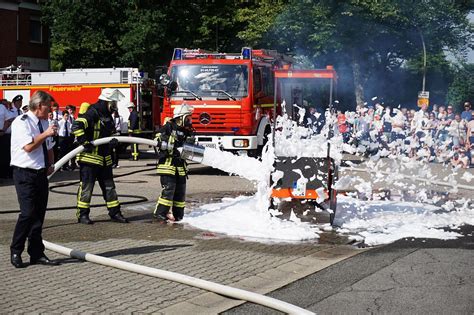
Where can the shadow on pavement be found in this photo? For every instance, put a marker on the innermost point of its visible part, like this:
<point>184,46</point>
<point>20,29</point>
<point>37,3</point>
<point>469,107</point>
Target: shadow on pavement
<point>142,250</point>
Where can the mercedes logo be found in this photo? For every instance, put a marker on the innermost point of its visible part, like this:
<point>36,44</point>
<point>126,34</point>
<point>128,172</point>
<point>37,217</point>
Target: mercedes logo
<point>204,118</point>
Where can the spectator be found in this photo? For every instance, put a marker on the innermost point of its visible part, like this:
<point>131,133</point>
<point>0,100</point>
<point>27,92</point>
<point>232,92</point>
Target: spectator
<point>65,138</point>
<point>55,110</point>
<point>466,115</point>
<point>387,123</point>
<point>450,113</point>
<point>4,142</point>
<point>435,110</point>
<point>71,109</point>
<point>457,131</point>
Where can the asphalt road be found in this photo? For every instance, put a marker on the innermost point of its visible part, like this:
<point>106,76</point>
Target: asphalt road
<point>410,276</point>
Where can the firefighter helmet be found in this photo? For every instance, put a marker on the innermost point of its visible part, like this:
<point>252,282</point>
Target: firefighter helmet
<point>130,105</point>
<point>182,110</point>
<point>109,95</point>
<point>84,107</point>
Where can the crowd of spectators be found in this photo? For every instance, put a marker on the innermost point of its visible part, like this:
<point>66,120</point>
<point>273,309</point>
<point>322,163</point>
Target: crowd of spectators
<point>436,134</point>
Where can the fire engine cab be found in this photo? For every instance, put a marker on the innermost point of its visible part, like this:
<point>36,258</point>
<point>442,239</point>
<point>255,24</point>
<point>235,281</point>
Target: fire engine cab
<point>75,86</point>
<point>232,95</point>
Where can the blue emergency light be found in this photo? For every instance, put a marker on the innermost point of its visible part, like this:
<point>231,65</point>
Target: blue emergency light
<point>178,54</point>
<point>246,53</point>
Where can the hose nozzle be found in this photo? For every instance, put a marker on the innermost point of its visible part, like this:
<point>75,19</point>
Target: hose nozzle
<point>193,152</point>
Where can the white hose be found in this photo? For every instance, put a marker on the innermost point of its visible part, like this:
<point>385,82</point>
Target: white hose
<point>172,276</point>
<point>413,178</point>
<point>97,142</point>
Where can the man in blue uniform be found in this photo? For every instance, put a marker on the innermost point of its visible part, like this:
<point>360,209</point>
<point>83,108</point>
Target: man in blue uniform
<point>32,158</point>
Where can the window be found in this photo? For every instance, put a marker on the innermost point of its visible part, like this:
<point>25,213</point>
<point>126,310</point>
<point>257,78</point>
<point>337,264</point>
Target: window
<point>35,30</point>
<point>267,77</point>
<point>211,80</point>
<point>257,80</point>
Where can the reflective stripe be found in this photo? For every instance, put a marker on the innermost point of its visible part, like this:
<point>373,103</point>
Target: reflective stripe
<point>179,204</point>
<point>181,171</point>
<point>158,137</point>
<point>84,121</point>
<point>112,204</point>
<point>96,135</point>
<point>78,132</point>
<point>165,202</point>
<point>82,204</point>
<point>164,172</point>
<point>89,160</point>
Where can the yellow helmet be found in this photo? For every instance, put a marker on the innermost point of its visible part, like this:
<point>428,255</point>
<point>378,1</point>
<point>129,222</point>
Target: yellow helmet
<point>84,107</point>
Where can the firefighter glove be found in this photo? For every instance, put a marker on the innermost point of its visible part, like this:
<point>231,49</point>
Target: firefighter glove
<point>88,147</point>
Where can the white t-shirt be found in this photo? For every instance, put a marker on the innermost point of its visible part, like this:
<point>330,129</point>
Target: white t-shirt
<point>24,129</point>
<point>62,128</point>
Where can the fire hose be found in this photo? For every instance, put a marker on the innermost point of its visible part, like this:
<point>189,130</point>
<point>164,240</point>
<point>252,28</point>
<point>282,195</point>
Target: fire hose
<point>190,152</point>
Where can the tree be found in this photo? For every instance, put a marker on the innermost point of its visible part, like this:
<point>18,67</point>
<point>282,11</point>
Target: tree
<point>461,89</point>
<point>374,38</point>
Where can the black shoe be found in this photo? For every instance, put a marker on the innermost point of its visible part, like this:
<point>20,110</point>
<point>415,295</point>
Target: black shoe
<point>16,261</point>
<point>43,261</point>
<point>84,219</point>
<point>119,218</point>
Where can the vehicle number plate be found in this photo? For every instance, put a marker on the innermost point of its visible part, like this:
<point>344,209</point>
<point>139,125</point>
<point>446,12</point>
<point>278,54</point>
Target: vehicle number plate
<point>208,145</point>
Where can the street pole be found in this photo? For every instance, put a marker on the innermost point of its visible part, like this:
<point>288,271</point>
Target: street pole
<point>424,58</point>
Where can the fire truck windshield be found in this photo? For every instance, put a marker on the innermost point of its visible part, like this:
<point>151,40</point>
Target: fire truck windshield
<point>210,81</point>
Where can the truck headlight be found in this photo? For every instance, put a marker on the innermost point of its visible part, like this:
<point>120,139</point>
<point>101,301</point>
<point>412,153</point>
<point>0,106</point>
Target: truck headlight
<point>240,143</point>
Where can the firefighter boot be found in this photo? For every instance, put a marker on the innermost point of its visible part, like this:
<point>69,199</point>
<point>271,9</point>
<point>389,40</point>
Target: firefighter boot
<point>160,214</point>
<point>178,213</point>
<point>119,218</point>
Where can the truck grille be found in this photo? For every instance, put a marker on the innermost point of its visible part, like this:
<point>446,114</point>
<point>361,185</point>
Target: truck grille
<point>208,121</point>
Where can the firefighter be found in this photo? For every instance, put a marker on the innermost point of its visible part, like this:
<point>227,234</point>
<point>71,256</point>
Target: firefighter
<point>133,129</point>
<point>96,162</point>
<point>172,168</point>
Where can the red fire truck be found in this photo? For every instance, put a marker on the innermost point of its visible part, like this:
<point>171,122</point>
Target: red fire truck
<point>232,95</point>
<point>75,86</point>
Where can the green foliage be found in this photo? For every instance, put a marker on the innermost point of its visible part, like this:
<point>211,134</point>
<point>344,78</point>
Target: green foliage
<point>462,87</point>
<point>376,46</point>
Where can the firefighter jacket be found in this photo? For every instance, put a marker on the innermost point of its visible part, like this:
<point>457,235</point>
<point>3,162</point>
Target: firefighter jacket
<point>133,122</point>
<point>169,160</point>
<point>95,123</point>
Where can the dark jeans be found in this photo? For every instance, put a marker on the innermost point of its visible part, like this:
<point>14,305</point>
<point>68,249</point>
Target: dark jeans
<point>65,146</point>
<point>6,170</point>
<point>32,192</point>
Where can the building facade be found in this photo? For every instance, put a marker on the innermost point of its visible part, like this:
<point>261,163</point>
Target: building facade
<point>24,41</point>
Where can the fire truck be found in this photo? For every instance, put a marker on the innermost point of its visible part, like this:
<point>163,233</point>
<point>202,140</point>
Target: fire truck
<point>75,86</point>
<point>232,95</point>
